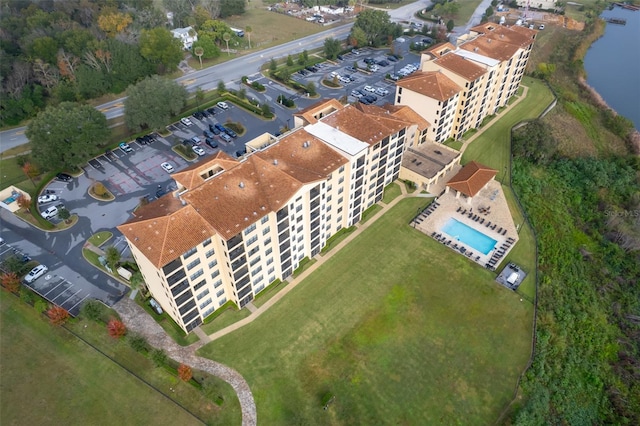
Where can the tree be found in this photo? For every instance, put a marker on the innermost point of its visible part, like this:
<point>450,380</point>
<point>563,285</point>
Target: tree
<point>113,257</point>
<point>151,103</point>
<point>331,48</point>
<point>226,37</point>
<point>58,315</point>
<point>450,25</point>
<point>24,202</point>
<point>10,281</point>
<point>93,310</point>
<point>113,23</point>
<point>184,372</point>
<point>266,111</point>
<point>159,47</point>
<point>231,7</point>
<point>221,87</point>
<point>209,48</point>
<point>67,135</point>
<point>311,89</point>
<point>64,215</point>
<point>199,96</point>
<point>248,30</point>
<point>158,357</point>
<point>289,61</point>
<point>273,65</point>
<point>376,24</point>
<point>136,280</point>
<point>357,37</point>
<point>116,328</point>
<point>181,10</point>
<point>31,171</point>
<point>535,142</point>
<point>198,51</point>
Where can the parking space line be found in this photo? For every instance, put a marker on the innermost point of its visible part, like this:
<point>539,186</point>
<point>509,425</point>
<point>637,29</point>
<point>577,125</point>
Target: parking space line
<point>59,284</point>
<point>63,292</point>
<point>81,300</point>
<point>73,295</point>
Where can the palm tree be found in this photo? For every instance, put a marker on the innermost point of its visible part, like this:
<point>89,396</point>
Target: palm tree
<point>247,31</point>
<point>226,37</point>
<point>112,256</point>
<point>199,51</point>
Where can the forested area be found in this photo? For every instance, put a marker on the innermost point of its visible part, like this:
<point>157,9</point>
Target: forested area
<point>75,50</point>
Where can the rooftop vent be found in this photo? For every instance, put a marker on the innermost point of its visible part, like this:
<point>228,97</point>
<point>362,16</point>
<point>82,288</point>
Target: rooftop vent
<point>305,144</point>
<point>438,152</point>
<point>275,162</point>
<point>475,49</point>
<point>241,185</point>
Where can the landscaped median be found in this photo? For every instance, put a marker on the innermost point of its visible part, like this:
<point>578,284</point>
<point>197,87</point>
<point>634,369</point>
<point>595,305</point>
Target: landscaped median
<point>395,327</point>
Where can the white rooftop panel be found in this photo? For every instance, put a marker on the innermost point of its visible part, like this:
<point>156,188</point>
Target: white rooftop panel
<point>336,138</point>
<point>477,57</point>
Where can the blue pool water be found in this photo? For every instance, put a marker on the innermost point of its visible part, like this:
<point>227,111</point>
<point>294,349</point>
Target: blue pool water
<point>469,236</point>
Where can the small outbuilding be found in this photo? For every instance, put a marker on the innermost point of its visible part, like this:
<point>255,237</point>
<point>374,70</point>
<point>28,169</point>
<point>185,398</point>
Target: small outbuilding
<point>471,179</point>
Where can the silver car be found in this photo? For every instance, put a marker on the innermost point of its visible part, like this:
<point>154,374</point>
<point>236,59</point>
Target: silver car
<point>35,273</point>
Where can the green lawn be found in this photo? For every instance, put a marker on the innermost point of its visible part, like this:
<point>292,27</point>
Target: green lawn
<point>230,316</point>
<point>391,192</point>
<point>50,377</point>
<point>492,148</point>
<point>396,327</point>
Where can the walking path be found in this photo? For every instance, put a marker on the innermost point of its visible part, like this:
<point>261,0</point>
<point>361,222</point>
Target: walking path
<point>137,320</point>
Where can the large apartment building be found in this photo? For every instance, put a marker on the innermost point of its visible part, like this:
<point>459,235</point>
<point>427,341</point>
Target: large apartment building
<point>234,226</point>
<point>458,86</point>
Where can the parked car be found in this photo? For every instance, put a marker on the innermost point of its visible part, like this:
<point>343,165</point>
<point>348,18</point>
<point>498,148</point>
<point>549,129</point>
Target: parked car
<point>50,213</point>
<point>220,128</point>
<point>225,137</point>
<point>223,105</point>
<point>47,198</point>
<point>167,167</point>
<point>198,151</point>
<point>351,69</point>
<point>186,121</point>
<point>381,91</point>
<point>230,132</point>
<point>340,57</point>
<point>212,143</point>
<point>63,177</point>
<point>369,61</point>
<point>374,68</point>
<point>211,111</point>
<point>356,94</point>
<point>188,143</point>
<point>541,27</point>
<point>392,59</point>
<point>383,63</point>
<point>214,129</point>
<point>196,140</point>
<point>369,89</point>
<point>125,147</point>
<point>334,74</point>
<point>371,98</point>
<point>208,134</point>
<point>155,305</point>
<point>364,100</point>
<point>344,80</point>
<point>36,273</point>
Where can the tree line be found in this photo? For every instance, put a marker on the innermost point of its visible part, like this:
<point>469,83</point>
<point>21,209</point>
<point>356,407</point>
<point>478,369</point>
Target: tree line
<point>70,51</point>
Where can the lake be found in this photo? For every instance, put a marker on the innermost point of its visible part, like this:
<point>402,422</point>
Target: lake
<point>613,64</point>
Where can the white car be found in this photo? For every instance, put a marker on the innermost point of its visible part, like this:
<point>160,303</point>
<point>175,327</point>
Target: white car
<point>198,150</point>
<point>35,273</point>
<point>369,89</point>
<point>50,213</point>
<point>381,92</point>
<point>47,198</point>
<point>345,80</point>
<point>186,121</point>
<point>541,27</point>
<point>167,167</point>
<point>374,68</point>
<point>223,105</point>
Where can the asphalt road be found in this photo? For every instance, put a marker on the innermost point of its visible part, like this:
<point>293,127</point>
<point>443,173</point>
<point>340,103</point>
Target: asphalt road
<point>207,79</point>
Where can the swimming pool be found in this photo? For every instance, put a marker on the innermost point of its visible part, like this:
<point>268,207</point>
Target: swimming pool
<point>469,236</point>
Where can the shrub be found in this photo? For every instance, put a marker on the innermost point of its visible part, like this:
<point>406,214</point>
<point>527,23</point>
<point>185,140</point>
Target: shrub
<point>10,281</point>
<point>257,86</point>
<point>158,357</point>
<point>40,306</point>
<point>93,310</point>
<point>265,110</point>
<point>116,328</point>
<point>137,342</point>
<point>26,296</point>
<point>184,372</point>
<point>58,315</point>
<point>99,189</point>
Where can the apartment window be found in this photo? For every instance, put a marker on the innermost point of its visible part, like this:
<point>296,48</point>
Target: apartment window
<point>196,274</point>
<point>209,253</point>
<point>266,230</point>
<point>208,312</point>
<point>206,242</point>
<point>257,280</point>
<point>298,208</point>
<point>329,188</point>
<point>254,261</point>
<point>199,285</point>
<point>300,238</point>
<point>250,229</point>
<point>328,198</point>
<point>269,251</point>
<point>340,200</point>
<point>189,253</point>
<point>254,250</point>
<point>252,240</point>
<point>340,210</point>
<point>220,292</point>
<point>215,273</point>
<point>259,288</point>
<point>270,271</point>
<point>341,169</point>
<point>341,179</point>
<point>217,283</point>
<point>203,294</point>
<point>213,263</point>
<point>267,241</point>
<point>341,190</point>
<point>264,220</point>
<point>270,261</point>
<point>205,303</point>
<point>193,264</point>
<point>256,271</point>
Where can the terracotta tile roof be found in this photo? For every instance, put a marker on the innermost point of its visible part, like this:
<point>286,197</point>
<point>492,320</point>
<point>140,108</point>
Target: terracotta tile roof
<point>437,50</point>
<point>191,176</point>
<point>516,34</point>
<point>471,178</point>
<point>308,113</point>
<point>491,47</point>
<point>165,229</point>
<point>461,66</point>
<point>355,123</point>
<point>433,84</point>
<point>408,114</point>
<point>384,117</point>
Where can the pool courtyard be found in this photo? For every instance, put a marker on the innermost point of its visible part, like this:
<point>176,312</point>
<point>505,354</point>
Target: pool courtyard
<point>480,228</point>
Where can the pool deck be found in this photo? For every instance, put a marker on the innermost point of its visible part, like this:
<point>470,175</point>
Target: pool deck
<point>490,197</point>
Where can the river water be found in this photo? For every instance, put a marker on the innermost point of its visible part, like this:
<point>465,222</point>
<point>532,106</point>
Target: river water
<point>613,64</point>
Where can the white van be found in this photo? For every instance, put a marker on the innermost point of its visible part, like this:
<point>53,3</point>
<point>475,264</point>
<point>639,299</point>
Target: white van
<point>50,213</point>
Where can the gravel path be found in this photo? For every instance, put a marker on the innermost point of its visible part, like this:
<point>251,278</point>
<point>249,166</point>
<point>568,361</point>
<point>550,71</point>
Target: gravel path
<point>137,320</point>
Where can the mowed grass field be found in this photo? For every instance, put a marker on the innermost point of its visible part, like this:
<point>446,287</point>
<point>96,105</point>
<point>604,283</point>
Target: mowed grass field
<point>49,377</point>
<point>396,327</point>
